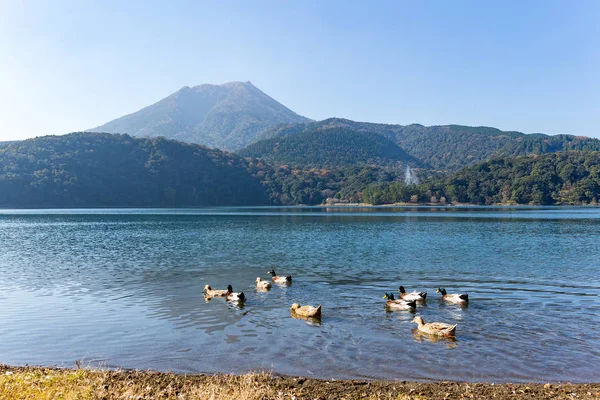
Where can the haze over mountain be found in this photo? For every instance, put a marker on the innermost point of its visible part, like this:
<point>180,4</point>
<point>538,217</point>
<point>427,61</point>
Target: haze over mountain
<point>227,116</point>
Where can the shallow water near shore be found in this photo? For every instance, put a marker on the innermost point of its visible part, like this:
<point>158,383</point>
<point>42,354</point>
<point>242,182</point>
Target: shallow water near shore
<point>123,288</point>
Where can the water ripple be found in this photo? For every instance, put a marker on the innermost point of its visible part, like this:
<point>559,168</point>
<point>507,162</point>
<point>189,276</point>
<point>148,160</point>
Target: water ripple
<point>123,288</point>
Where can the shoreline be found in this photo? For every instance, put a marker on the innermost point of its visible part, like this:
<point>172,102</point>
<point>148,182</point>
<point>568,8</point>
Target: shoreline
<point>362,205</point>
<point>54,382</point>
<point>447,205</point>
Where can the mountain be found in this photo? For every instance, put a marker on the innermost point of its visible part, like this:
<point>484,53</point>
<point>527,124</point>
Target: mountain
<point>447,147</point>
<point>335,147</point>
<point>227,116</point>
<point>235,115</point>
<point>105,170</point>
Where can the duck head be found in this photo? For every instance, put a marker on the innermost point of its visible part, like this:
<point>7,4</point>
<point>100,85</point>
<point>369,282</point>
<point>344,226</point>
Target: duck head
<point>441,290</point>
<point>401,289</point>
<point>272,272</point>
<point>258,280</point>
<point>229,289</point>
<point>295,306</point>
<point>389,296</point>
<point>207,287</point>
<point>418,320</point>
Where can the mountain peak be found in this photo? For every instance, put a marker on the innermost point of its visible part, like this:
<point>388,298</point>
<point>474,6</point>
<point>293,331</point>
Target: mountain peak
<point>232,84</point>
<point>237,83</point>
<point>228,116</point>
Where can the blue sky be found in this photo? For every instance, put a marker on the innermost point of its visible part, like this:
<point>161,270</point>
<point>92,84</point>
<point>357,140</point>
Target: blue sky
<point>531,66</point>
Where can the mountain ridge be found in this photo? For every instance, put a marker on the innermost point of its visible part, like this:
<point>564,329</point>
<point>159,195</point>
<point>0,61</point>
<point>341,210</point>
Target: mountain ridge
<point>235,115</point>
<point>446,147</point>
<point>336,147</point>
<point>91,170</point>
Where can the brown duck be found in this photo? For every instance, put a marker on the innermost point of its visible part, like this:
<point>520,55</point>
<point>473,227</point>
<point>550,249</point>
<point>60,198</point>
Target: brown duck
<point>435,328</point>
<point>210,292</point>
<point>262,285</point>
<point>306,311</point>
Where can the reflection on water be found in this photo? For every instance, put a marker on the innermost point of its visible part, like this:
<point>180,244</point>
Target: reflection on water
<point>420,337</point>
<point>396,310</point>
<point>312,321</point>
<point>124,288</point>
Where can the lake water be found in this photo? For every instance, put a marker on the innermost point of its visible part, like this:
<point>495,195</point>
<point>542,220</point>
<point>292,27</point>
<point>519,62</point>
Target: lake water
<point>123,288</point>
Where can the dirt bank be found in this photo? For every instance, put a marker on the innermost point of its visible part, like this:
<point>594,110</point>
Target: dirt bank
<point>52,383</point>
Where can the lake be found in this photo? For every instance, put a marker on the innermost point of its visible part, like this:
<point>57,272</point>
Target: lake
<point>123,288</point>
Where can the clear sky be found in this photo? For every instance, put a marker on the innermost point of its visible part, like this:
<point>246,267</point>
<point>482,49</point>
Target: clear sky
<point>531,66</point>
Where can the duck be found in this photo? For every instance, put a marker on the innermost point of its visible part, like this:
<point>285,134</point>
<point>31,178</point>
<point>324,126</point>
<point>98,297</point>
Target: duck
<point>235,296</point>
<point>435,328</point>
<point>453,298</point>
<point>306,311</point>
<point>279,279</point>
<point>262,285</point>
<point>210,292</point>
<point>400,304</point>
<point>414,295</point>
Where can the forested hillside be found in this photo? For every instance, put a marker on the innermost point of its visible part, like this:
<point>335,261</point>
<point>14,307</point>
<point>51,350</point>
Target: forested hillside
<point>541,144</point>
<point>558,178</point>
<point>336,147</point>
<point>313,186</point>
<point>447,147</point>
<point>105,170</point>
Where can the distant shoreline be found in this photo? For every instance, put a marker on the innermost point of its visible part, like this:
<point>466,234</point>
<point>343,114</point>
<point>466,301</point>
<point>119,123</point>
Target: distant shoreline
<point>452,205</point>
<point>365,205</point>
<point>28,381</point>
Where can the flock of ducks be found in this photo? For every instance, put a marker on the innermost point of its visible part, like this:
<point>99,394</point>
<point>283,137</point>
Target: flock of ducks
<point>406,301</point>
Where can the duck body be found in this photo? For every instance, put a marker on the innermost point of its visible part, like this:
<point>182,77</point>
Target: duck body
<point>210,292</point>
<point>237,297</point>
<point>435,328</point>
<point>453,298</point>
<point>398,304</point>
<point>414,295</point>
<point>306,311</point>
<point>280,279</point>
<point>262,285</point>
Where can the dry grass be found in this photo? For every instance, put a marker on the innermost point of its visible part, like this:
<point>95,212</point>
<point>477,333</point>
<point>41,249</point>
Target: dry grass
<point>37,383</point>
<point>41,383</point>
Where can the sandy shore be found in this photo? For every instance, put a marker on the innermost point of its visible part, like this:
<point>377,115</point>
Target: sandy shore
<point>53,383</point>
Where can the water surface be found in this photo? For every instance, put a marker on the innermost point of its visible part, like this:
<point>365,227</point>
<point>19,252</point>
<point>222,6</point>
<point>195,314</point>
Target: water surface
<point>123,288</point>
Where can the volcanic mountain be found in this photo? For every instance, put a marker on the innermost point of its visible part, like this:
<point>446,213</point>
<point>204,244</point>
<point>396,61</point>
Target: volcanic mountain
<point>228,116</point>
